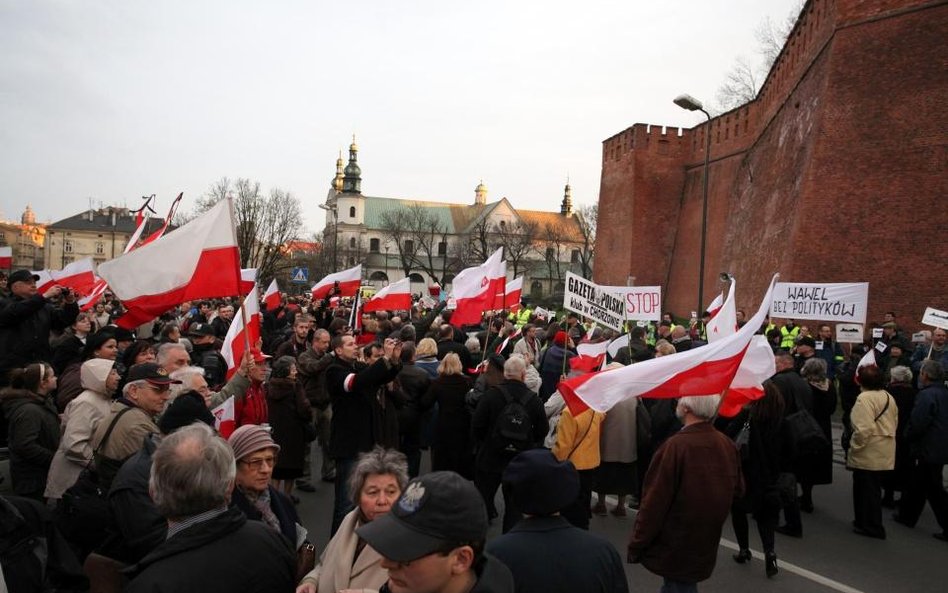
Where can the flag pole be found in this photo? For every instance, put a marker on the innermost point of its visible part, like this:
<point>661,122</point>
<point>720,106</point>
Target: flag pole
<point>243,310</point>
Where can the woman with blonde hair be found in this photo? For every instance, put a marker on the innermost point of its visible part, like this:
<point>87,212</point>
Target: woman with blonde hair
<point>451,448</point>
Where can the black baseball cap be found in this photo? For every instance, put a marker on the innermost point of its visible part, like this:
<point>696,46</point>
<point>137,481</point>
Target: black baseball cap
<point>22,276</point>
<point>151,372</point>
<point>434,510</point>
<point>201,329</point>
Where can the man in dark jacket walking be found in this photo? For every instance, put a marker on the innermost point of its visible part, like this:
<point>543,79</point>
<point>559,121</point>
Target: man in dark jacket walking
<point>210,547</point>
<point>26,319</point>
<point>312,366</point>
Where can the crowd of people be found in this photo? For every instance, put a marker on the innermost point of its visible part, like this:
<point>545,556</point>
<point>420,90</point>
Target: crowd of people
<point>118,462</point>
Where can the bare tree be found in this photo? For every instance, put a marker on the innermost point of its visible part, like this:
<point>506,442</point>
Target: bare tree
<point>553,237</point>
<point>265,223</point>
<point>517,240</point>
<point>586,219</point>
<point>316,257</point>
<point>740,86</point>
<point>396,226</point>
<point>479,241</point>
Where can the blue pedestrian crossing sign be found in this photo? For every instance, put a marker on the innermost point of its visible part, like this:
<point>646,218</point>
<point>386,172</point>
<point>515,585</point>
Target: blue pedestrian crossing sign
<point>300,276</point>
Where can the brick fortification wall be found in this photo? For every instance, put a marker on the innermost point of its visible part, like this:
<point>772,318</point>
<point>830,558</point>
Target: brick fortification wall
<point>835,173</point>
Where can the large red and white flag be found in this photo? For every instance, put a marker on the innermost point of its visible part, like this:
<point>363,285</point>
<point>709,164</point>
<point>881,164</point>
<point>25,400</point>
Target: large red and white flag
<point>199,260</point>
<point>237,338</point>
<point>708,370</point>
<point>723,322</point>
<point>225,418</point>
<point>475,289</point>
<point>349,282</point>
<point>78,276</point>
<point>589,357</point>
<point>394,297</point>
<point>6,257</point>
<point>272,297</point>
<point>512,294</point>
<point>248,279</point>
<point>715,305</point>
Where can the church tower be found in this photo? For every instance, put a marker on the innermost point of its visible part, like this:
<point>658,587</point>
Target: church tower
<point>337,180</point>
<point>352,179</point>
<point>480,194</point>
<point>566,208</point>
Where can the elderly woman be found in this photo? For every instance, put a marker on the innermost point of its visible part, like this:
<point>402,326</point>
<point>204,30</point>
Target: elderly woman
<point>348,562</point>
<point>451,449</point>
<point>426,357</point>
<point>82,415</point>
<point>288,410</point>
<point>818,469</point>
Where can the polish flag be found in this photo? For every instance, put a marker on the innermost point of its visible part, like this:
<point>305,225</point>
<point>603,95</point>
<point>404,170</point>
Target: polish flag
<point>349,282</point>
<point>512,294</point>
<point>868,360</point>
<point>590,357</point>
<point>199,260</point>
<point>513,336</point>
<point>723,321</point>
<point>748,384</point>
<point>236,340</point>
<point>78,276</point>
<point>620,342</point>
<point>248,278</point>
<point>225,420</point>
<point>708,370</point>
<point>272,298</point>
<point>394,297</point>
<point>475,289</point>
<point>6,257</point>
<point>715,305</point>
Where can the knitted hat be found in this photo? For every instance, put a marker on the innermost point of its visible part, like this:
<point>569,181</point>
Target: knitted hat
<point>250,438</point>
<point>560,338</point>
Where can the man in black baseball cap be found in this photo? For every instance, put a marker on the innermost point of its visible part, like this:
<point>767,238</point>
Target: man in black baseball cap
<point>432,541</point>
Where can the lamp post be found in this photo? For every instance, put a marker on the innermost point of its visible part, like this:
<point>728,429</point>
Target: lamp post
<point>335,233</point>
<point>691,104</point>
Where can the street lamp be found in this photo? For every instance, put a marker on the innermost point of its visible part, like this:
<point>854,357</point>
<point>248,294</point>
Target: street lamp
<point>691,104</point>
<point>335,232</point>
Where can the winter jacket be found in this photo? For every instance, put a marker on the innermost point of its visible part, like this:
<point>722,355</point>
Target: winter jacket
<point>252,407</point>
<point>577,439</point>
<point>339,568</point>
<point>127,436</point>
<point>353,388</point>
<point>139,526</point>
<point>80,420</point>
<point>24,329</point>
<point>551,368</point>
<point>287,410</point>
<point>33,439</point>
<point>874,420</point>
<point>312,373</point>
<point>928,427</point>
<point>488,411</point>
<point>281,506</point>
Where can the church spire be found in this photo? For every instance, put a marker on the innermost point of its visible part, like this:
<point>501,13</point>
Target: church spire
<point>337,180</point>
<point>352,179</point>
<point>480,194</point>
<point>566,208</point>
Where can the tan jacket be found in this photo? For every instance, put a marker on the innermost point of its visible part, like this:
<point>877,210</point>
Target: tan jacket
<point>873,442</point>
<point>128,435</point>
<point>336,569</point>
<point>577,439</point>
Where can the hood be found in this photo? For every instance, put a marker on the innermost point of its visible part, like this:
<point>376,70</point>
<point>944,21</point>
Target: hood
<point>94,372</point>
<point>12,398</point>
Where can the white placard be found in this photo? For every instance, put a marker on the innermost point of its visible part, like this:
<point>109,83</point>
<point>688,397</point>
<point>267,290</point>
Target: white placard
<point>849,333</point>
<point>876,333</point>
<point>921,337</point>
<point>642,303</point>
<point>935,318</point>
<point>821,302</point>
<point>593,301</point>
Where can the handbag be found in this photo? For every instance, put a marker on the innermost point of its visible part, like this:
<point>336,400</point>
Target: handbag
<point>783,492</point>
<point>805,431</point>
<point>305,560</point>
<point>309,431</point>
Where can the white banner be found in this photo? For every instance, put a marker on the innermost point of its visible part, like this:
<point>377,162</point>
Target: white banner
<point>593,301</point>
<point>642,303</point>
<point>821,302</point>
<point>849,333</point>
<point>935,318</point>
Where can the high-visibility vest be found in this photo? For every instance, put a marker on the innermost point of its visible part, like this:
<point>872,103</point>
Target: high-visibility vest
<point>789,337</point>
<point>523,317</point>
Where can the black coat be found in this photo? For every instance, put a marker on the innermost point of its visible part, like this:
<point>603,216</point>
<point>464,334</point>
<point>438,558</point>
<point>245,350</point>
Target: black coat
<point>24,330</point>
<point>33,439</point>
<point>485,417</point>
<point>820,470</point>
<point>288,409</point>
<point>769,451</point>
<point>413,383</point>
<point>354,427</point>
<point>448,345</point>
<point>226,553</point>
<point>139,527</point>
<point>281,506</point>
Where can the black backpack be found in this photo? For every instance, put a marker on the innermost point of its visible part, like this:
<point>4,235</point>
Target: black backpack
<point>513,430</point>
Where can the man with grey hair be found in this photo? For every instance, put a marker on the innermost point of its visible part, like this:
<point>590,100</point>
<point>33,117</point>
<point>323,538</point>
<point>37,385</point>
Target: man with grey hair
<point>210,546</point>
<point>193,379</point>
<point>172,356</point>
<point>312,365</point>
<point>509,418</point>
<point>691,482</point>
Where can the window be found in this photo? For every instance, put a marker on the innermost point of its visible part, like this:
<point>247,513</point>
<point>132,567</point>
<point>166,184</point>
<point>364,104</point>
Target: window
<point>549,253</point>
<point>352,242</point>
<point>574,256</point>
<point>67,247</point>
<point>99,247</point>
<point>352,261</point>
<point>409,246</point>
<point>374,245</point>
<point>442,248</point>
<point>352,211</point>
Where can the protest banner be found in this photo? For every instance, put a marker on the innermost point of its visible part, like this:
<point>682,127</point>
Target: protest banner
<point>849,333</point>
<point>593,301</point>
<point>642,303</point>
<point>936,318</point>
<point>846,303</point>
<point>921,337</point>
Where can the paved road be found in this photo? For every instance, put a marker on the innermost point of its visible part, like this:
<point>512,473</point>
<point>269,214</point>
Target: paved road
<point>828,558</point>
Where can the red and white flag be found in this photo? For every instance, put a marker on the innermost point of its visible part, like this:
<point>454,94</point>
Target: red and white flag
<point>272,297</point>
<point>237,338</point>
<point>715,305</point>
<point>708,370</point>
<point>349,282</point>
<point>475,289</point>
<point>394,297</point>
<point>248,279</point>
<point>512,294</point>
<point>502,345</point>
<point>723,321</point>
<point>197,261</point>
<point>225,419</point>
<point>78,276</point>
<point>89,301</point>
<point>589,357</point>
<point>6,257</point>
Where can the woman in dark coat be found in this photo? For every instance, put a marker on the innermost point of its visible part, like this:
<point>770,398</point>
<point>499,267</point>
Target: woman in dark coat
<point>452,449</point>
<point>902,389</point>
<point>33,427</point>
<point>767,454</point>
<point>288,410</point>
<point>819,470</point>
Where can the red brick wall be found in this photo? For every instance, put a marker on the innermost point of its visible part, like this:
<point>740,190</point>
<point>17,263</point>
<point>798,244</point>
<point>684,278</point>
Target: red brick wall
<point>836,173</point>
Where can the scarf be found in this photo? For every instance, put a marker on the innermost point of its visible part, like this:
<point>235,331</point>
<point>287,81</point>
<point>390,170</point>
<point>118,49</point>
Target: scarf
<point>261,502</point>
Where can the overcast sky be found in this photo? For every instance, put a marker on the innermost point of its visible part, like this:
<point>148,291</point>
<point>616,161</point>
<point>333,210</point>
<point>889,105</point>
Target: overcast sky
<point>112,100</point>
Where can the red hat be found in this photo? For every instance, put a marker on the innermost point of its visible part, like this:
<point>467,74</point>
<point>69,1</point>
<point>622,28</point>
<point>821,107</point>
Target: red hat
<point>560,338</point>
<point>258,356</point>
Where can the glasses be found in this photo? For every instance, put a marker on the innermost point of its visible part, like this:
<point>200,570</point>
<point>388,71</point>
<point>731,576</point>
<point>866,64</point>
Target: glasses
<point>258,462</point>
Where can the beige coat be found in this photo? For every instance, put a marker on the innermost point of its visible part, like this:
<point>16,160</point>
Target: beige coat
<point>129,432</point>
<point>873,442</point>
<point>336,570</point>
<point>79,421</point>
